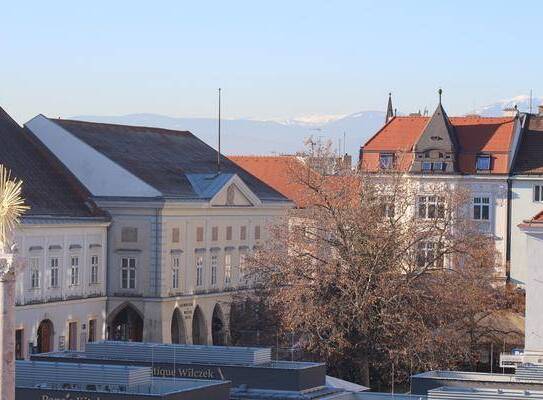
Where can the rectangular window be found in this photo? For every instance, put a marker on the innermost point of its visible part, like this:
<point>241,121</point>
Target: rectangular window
<point>129,234</point>
<point>386,160</point>
<point>439,166</point>
<point>387,207</point>
<point>215,233</point>
<point>199,234</point>
<point>228,233</point>
<point>92,330</point>
<point>94,270</point>
<point>176,262</point>
<point>483,162</point>
<point>243,267</point>
<point>243,233</point>
<point>214,262</point>
<point>199,271</point>
<point>128,273</point>
<point>53,262</point>
<point>428,255</point>
<point>19,340</point>
<point>426,166</point>
<point>257,232</point>
<point>72,336</point>
<point>74,271</point>
<point>481,208</point>
<point>175,235</point>
<point>34,264</point>
<point>538,193</point>
<point>227,268</point>
<point>430,207</point>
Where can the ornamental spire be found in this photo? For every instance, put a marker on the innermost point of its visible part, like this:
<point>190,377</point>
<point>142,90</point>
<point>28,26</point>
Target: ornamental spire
<point>390,111</point>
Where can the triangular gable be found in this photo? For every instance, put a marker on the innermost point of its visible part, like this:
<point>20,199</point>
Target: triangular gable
<point>437,145</point>
<point>235,193</point>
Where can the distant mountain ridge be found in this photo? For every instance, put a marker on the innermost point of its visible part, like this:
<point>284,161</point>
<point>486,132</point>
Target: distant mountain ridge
<point>245,136</point>
<point>248,136</point>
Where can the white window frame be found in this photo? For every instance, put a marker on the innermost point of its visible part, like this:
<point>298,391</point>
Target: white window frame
<point>94,268</point>
<point>35,275</point>
<point>214,267</point>
<point>176,265</point>
<point>537,194</point>
<point>479,203</point>
<point>428,202</point>
<point>54,268</point>
<point>389,164</point>
<point>228,268</point>
<point>429,250</point>
<point>199,271</point>
<point>74,270</point>
<point>242,267</point>
<point>130,281</point>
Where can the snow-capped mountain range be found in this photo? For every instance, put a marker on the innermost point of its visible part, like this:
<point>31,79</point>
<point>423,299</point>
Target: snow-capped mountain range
<point>247,136</point>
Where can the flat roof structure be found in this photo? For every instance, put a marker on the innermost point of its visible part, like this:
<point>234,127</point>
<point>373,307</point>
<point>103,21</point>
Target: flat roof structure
<point>423,383</point>
<point>54,380</point>
<point>251,370</point>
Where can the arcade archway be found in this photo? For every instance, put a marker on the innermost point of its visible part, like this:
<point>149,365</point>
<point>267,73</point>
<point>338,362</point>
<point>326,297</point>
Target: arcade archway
<point>178,328</point>
<point>127,325</point>
<point>218,330</point>
<point>199,331</point>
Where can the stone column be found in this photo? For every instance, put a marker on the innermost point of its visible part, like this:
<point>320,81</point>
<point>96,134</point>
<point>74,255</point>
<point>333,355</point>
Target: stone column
<point>7,326</point>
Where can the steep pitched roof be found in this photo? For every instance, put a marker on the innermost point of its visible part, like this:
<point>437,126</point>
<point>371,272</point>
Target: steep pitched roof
<point>163,158</point>
<point>529,159</point>
<point>276,172</point>
<point>438,126</point>
<point>47,187</point>
<point>474,134</point>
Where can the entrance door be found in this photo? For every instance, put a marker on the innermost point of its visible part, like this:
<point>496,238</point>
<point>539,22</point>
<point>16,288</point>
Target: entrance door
<point>45,336</point>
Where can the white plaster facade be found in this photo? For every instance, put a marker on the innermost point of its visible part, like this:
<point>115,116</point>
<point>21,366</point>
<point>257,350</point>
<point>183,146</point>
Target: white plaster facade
<point>524,207</point>
<point>47,244</point>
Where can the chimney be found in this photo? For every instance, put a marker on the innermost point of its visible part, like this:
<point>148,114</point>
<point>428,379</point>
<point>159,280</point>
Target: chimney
<point>540,110</point>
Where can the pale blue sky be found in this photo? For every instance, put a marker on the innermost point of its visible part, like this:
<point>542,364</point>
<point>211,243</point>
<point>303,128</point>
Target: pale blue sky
<point>274,59</point>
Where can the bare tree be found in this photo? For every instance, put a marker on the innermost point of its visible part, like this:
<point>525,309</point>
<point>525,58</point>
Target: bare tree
<point>380,273</point>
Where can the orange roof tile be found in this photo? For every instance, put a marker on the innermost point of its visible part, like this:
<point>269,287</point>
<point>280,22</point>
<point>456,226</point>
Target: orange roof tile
<point>275,171</point>
<point>475,135</point>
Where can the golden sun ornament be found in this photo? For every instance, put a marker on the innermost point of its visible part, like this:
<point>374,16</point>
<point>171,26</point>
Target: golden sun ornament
<point>12,205</point>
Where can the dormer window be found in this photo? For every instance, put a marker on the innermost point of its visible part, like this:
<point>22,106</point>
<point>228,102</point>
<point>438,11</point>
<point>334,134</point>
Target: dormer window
<point>426,166</point>
<point>386,160</point>
<point>483,162</point>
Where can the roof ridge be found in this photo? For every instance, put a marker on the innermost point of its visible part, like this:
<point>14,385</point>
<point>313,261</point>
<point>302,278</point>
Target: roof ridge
<point>110,124</point>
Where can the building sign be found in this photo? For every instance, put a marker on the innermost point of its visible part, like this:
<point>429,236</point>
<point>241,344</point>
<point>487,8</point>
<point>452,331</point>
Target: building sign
<point>61,343</point>
<point>189,372</point>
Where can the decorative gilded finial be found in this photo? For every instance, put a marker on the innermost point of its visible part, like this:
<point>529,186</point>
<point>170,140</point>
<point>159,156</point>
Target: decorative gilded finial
<point>440,92</point>
<point>12,205</point>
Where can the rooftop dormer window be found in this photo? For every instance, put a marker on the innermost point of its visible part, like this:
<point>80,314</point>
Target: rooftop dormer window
<point>386,160</point>
<point>483,162</point>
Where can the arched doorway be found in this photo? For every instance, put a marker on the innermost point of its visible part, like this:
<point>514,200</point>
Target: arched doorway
<point>127,325</point>
<point>218,331</point>
<point>199,331</point>
<point>178,328</point>
<point>45,336</point>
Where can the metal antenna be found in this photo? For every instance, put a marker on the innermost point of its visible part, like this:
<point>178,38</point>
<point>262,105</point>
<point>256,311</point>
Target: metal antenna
<point>219,147</point>
<point>530,101</point>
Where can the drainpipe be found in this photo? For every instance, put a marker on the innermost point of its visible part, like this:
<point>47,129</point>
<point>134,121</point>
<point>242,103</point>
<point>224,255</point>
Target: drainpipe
<point>508,231</point>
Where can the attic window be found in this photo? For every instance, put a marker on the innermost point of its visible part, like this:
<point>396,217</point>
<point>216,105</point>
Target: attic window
<point>483,162</point>
<point>386,160</point>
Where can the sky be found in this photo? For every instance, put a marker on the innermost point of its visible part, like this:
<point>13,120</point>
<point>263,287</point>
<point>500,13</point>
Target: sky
<point>273,59</point>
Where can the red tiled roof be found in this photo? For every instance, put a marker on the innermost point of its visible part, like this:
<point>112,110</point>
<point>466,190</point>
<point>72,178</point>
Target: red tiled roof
<point>275,171</point>
<point>475,135</point>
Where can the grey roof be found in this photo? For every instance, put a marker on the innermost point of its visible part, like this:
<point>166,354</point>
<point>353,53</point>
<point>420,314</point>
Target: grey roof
<point>173,162</point>
<point>47,187</point>
<point>528,160</point>
<point>438,126</point>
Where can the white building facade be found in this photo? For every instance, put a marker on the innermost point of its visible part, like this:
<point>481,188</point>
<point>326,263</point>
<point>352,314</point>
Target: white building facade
<point>61,291</point>
<point>181,225</point>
